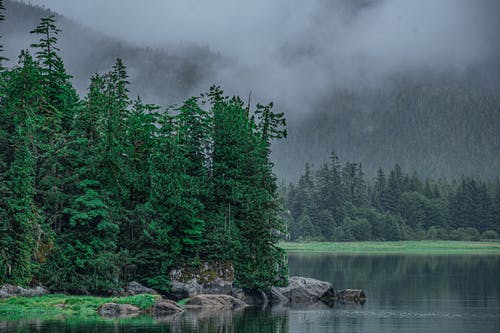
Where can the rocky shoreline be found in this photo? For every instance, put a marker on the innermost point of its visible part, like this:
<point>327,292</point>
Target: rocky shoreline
<point>210,286</point>
<point>220,295</point>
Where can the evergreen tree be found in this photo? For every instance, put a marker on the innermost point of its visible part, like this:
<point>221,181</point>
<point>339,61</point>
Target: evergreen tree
<point>84,258</point>
<point>55,119</point>
<point>21,233</point>
<point>379,195</point>
<point>353,180</point>
<point>2,17</point>
<point>246,189</point>
<point>173,228</point>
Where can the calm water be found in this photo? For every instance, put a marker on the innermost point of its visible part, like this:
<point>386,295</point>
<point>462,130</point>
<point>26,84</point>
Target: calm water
<point>405,294</point>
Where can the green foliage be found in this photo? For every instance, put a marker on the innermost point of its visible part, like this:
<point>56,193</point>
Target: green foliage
<point>19,218</point>
<point>100,191</point>
<point>333,204</point>
<point>398,247</point>
<point>75,306</point>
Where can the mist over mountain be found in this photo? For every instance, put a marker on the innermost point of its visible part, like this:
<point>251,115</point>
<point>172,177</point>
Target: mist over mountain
<point>158,75</point>
<point>378,81</point>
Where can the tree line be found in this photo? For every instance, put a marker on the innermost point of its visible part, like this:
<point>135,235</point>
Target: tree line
<point>102,190</point>
<point>338,203</point>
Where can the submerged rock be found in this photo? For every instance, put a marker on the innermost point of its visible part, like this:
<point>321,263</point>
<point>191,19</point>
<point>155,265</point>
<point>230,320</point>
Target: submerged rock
<point>165,307</point>
<point>8,290</point>
<point>215,301</point>
<point>351,295</point>
<point>305,290</point>
<point>135,288</point>
<point>118,310</point>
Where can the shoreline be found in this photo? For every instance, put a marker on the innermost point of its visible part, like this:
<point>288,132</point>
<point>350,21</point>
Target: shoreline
<point>52,305</point>
<point>396,247</point>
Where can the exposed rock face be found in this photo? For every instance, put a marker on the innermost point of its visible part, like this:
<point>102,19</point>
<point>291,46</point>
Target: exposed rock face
<point>165,307</point>
<point>209,278</point>
<point>118,310</point>
<point>217,286</point>
<point>215,301</point>
<point>180,290</point>
<point>305,290</point>
<point>8,290</point>
<point>135,288</point>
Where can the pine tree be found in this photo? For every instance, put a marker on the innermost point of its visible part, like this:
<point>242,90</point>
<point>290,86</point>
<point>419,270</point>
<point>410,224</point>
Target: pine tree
<point>173,229</point>
<point>55,119</point>
<point>84,259</point>
<point>354,183</point>
<point>21,233</point>
<point>2,17</point>
<point>246,190</point>
<point>379,191</point>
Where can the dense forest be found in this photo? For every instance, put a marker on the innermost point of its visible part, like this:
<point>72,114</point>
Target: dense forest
<point>438,120</point>
<point>338,203</point>
<point>103,190</point>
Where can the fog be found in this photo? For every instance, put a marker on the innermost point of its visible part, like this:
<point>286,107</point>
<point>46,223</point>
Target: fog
<point>378,81</point>
<point>294,52</point>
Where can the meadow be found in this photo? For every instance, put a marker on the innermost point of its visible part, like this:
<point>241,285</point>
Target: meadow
<point>399,247</point>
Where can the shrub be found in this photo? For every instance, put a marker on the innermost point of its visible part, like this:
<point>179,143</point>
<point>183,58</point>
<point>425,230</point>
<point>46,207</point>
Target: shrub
<point>489,234</point>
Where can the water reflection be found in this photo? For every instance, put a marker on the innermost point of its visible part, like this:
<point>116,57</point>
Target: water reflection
<point>405,293</point>
<point>246,320</point>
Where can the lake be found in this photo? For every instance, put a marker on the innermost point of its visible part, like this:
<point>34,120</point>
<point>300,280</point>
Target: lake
<point>405,294</point>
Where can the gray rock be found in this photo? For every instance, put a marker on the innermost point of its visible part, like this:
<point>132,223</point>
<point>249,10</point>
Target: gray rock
<point>277,297</point>
<point>258,298</point>
<point>351,295</point>
<point>305,290</point>
<point>208,278</point>
<point>118,310</point>
<point>8,290</point>
<point>217,286</point>
<point>135,288</point>
<point>180,290</point>
<point>215,301</point>
<point>165,307</point>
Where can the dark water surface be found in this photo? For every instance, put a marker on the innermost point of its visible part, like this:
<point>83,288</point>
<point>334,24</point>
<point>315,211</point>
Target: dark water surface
<point>405,294</point>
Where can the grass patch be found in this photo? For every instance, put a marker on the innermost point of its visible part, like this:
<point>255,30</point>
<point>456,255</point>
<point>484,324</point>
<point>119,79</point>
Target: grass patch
<point>403,247</point>
<point>183,301</point>
<point>49,306</point>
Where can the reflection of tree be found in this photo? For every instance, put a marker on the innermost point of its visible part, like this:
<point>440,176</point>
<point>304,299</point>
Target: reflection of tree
<point>389,281</point>
<point>205,320</point>
<point>393,279</point>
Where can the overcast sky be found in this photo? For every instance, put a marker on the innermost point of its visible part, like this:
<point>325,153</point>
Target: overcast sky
<point>287,46</point>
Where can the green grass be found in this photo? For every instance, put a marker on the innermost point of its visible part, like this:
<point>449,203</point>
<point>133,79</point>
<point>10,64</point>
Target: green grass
<point>55,305</point>
<point>405,247</point>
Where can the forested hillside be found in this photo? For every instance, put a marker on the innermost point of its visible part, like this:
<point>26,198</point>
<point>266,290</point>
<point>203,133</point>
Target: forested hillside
<point>163,76</point>
<point>107,189</point>
<point>441,121</point>
<point>439,129</point>
<point>339,203</point>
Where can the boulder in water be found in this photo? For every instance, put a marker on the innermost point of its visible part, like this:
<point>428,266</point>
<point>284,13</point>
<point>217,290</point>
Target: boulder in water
<point>351,295</point>
<point>118,310</point>
<point>165,307</point>
<point>305,290</point>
